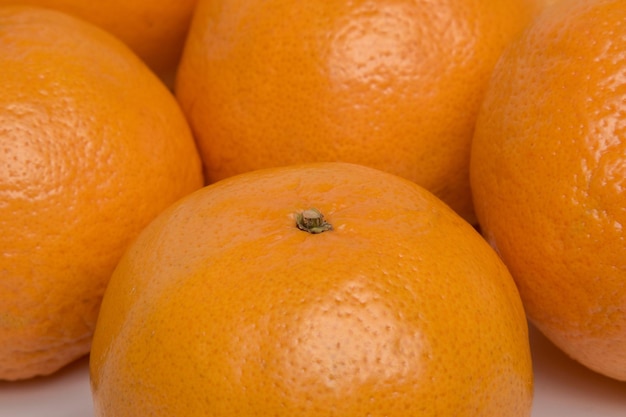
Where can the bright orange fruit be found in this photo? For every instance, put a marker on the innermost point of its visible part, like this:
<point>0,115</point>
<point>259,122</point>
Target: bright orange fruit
<point>548,173</point>
<point>394,85</point>
<point>154,29</point>
<point>224,307</point>
<point>92,147</point>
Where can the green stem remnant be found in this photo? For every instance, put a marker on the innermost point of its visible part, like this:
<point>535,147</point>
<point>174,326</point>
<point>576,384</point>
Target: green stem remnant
<point>312,221</point>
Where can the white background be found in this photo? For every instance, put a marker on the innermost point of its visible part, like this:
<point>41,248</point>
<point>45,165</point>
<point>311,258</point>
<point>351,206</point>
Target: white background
<point>563,388</point>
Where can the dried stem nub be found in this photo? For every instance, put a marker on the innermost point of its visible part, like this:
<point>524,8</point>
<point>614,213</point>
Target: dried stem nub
<point>312,221</point>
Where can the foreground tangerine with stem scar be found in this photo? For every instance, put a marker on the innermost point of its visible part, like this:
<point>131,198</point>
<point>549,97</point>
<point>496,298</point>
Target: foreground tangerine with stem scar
<point>387,303</point>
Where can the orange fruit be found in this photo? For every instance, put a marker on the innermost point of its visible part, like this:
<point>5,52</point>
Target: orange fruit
<point>394,85</point>
<point>548,172</point>
<point>224,307</point>
<point>92,147</point>
<point>154,29</point>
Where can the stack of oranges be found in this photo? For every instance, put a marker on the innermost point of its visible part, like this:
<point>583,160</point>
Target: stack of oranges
<point>271,207</point>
